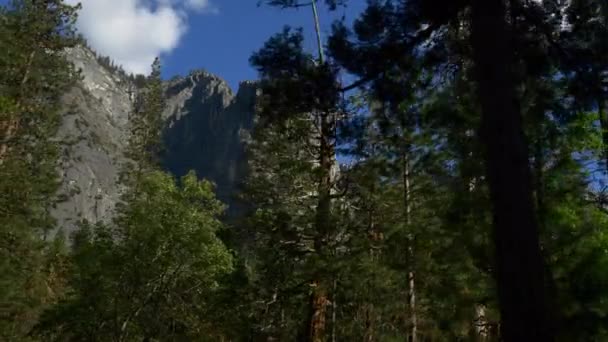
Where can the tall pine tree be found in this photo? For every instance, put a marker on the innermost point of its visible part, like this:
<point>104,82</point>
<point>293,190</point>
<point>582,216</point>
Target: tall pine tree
<point>35,74</point>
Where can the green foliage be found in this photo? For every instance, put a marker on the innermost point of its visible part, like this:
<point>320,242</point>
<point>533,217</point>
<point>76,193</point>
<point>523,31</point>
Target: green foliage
<point>394,242</point>
<point>281,186</point>
<point>152,273</point>
<point>293,84</point>
<point>146,124</point>
<point>300,102</point>
<point>35,74</point>
<point>422,101</point>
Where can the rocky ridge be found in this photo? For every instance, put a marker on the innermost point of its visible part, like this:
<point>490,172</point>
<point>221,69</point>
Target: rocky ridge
<point>205,126</point>
<point>93,133</point>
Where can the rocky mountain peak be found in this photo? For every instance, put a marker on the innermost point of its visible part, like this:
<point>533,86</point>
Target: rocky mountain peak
<point>204,133</point>
<point>197,87</point>
<point>204,124</point>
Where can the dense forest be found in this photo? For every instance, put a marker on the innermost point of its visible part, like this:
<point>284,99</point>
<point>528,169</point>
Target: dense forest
<point>436,172</point>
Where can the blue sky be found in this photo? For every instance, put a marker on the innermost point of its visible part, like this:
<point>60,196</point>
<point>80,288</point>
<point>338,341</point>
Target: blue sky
<point>216,35</point>
<point>221,43</point>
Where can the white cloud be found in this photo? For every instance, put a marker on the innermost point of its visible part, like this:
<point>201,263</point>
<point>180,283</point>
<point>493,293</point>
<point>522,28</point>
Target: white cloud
<point>198,4</point>
<point>132,32</point>
<point>201,6</point>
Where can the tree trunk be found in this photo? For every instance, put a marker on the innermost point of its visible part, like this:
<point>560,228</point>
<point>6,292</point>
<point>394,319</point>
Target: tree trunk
<point>542,211</point>
<point>9,130</point>
<point>375,237</point>
<point>369,323</point>
<point>481,324</point>
<point>318,313</point>
<point>334,311</point>
<point>519,263</point>
<point>323,224</point>
<point>319,301</point>
<point>315,14</point>
<point>411,275</point>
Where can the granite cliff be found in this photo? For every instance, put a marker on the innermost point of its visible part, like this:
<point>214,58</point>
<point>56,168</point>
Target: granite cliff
<point>205,126</point>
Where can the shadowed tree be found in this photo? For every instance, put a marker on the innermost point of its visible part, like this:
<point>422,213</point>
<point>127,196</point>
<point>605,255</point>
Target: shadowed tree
<point>386,35</point>
<point>35,74</point>
<point>295,85</point>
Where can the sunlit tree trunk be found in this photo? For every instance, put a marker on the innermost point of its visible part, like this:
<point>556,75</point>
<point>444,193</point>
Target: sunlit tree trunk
<point>319,301</point>
<point>411,274</point>
<point>323,229</point>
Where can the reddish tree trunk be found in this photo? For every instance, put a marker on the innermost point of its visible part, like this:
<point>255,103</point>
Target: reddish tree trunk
<point>318,322</point>
<point>9,130</point>
<point>323,225</point>
<point>411,273</point>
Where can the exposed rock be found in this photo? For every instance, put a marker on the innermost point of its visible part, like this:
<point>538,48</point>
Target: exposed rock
<point>205,127</point>
<point>93,134</point>
<point>205,124</point>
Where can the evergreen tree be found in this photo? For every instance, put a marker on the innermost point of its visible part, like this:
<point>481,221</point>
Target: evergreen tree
<point>585,61</point>
<point>298,87</point>
<point>146,125</point>
<point>449,198</point>
<point>398,32</point>
<point>150,274</point>
<point>35,74</point>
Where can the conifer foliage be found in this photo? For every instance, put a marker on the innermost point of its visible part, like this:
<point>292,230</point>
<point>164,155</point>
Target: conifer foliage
<point>460,136</point>
<point>150,273</point>
<point>35,74</point>
<point>449,193</point>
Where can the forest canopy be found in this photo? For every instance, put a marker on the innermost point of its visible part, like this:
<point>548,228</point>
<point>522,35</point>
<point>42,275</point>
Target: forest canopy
<point>453,190</point>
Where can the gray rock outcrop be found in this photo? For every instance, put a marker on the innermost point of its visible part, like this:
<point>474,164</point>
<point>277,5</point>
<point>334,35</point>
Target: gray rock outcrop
<point>206,123</point>
<point>205,126</point>
<point>93,134</point>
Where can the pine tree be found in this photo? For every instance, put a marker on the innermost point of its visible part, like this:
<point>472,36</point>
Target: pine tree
<point>519,273</point>
<point>146,125</point>
<point>153,271</point>
<point>585,61</point>
<point>425,175</point>
<point>35,74</point>
<point>281,185</point>
<point>152,274</point>
<point>458,159</point>
<point>295,84</point>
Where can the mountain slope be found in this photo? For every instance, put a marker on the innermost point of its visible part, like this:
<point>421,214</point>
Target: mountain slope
<point>205,127</point>
<point>93,135</point>
<point>205,124</point>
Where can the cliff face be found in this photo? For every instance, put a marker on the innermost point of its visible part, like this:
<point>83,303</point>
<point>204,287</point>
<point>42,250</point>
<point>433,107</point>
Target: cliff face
<point>205,123</point>
<point>93,135</point>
